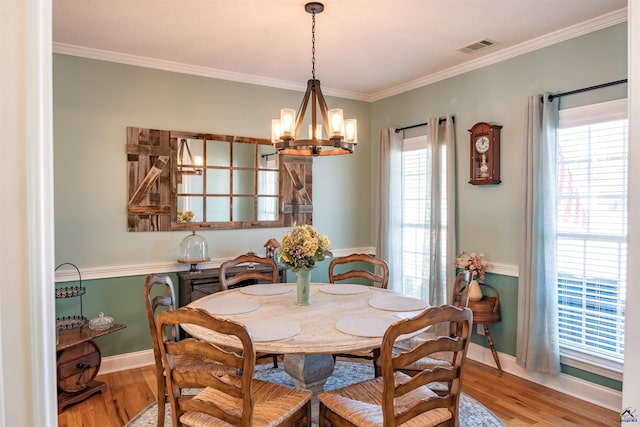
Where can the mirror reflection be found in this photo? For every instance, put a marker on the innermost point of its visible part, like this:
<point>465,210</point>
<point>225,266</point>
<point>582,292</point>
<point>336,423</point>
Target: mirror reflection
<point>225,180</point>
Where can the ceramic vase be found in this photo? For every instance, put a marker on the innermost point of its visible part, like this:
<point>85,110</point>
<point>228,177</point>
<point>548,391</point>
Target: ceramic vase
<point>475,293</point>
<point>303,278</point>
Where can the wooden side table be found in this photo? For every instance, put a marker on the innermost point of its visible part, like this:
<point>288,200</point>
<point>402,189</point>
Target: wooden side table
<point>487,311</point>
<point>78,364</point>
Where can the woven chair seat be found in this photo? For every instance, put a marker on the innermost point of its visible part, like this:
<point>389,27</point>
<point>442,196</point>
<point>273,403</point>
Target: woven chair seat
<point>273,404</point>
<point>360,403</point>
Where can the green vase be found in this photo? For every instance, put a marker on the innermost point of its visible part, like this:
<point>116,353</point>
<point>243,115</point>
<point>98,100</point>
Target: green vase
<point>303,286</point>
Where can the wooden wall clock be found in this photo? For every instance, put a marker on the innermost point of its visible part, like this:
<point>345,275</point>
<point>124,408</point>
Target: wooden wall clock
<point>485,154</point>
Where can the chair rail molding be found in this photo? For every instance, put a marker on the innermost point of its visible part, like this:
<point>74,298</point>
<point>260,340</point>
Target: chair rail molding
<point>93,273</point>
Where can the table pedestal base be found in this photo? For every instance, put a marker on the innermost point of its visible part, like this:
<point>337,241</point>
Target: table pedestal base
<point>310,371</point>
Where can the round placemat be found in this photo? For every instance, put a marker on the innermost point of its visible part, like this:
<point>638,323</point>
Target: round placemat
<point>230,305</point>
<point>397,303</point>
<point>264,330</point>
<point>364,326</point>
<point>344,289</point>
<point>267,289</point>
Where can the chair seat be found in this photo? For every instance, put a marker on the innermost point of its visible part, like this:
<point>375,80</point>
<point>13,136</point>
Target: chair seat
<point>361,403</point>
<point>272,404</point>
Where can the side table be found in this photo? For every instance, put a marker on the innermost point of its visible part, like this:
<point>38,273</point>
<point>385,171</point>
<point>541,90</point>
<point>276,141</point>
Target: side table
<point>78,364</point>
<point>486,311</point>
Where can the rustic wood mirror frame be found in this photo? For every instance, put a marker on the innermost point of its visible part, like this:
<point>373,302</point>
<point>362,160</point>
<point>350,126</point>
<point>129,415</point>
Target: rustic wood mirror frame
<point>153,178</point>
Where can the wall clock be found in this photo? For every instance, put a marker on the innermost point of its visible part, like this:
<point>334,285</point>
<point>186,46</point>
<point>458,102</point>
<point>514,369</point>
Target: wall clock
<point>485,154</point>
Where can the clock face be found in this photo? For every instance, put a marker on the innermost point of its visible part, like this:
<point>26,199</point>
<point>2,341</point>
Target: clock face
<point>482,144</point>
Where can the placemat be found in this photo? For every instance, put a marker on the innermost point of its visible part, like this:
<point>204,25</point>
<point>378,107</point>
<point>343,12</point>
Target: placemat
<point>344,289</point>
<point>397,303</point>
<point>364,326</point>
<point>267,289</point>
<point>230,305</point>
<point>263,330</point>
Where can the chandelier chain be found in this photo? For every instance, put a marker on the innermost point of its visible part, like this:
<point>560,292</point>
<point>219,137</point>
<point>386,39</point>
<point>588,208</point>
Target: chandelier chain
<point>313,45</point>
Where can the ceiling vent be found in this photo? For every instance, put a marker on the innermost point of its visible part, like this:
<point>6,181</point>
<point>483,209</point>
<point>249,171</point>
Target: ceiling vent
<point>476,46</point>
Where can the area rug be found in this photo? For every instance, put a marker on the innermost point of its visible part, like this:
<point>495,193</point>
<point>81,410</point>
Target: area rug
<point>472,413</point>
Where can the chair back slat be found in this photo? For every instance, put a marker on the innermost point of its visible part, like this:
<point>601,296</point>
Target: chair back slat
<point>379,277</point>
<point>227,281</point>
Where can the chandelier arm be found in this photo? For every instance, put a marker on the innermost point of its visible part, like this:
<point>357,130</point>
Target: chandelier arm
<point>324,109</point>
<point>303,108</point>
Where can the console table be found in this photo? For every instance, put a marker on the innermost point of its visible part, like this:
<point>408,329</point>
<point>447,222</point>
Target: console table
<point>193,285</point>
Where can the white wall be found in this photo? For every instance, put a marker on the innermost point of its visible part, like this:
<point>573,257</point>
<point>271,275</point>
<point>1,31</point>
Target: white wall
<point>27,349</point>
<point>631,385</point>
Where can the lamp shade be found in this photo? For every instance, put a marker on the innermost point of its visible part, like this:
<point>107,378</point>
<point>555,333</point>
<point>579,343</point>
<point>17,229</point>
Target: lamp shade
<point>336,123</point>
<point>351,131</point>
<point>287,122</point>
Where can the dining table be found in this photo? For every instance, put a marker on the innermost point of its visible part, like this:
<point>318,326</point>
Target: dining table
<point>342,318</point>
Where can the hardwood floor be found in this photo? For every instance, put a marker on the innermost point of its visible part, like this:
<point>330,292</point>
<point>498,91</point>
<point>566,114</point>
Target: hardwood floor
<point>516,401</point>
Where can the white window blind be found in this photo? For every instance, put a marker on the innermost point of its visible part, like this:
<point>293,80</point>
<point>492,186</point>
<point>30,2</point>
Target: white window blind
<point>416,205</point>
<point>592,232</point>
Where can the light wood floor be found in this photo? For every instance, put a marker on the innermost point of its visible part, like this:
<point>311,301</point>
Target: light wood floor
<point>516,401</point>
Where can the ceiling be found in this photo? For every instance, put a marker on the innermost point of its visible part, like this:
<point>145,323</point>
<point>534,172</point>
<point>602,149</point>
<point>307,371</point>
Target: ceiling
<point>365,49</point>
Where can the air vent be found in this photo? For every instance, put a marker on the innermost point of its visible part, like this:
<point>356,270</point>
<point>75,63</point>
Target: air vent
<point>476,46</point>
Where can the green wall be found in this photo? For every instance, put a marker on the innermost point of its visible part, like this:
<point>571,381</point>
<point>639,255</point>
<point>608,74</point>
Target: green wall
<point>95,101</point>
<point>488,217</point>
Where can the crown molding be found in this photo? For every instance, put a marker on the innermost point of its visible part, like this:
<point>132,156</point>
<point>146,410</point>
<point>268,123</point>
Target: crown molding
<point>607,20</point>
<point>586,27</point>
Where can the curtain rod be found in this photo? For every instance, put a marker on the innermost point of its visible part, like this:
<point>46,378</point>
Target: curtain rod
<point>442,119</point>
<point>571,92</point>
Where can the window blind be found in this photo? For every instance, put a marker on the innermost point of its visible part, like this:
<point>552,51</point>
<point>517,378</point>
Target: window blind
<point>592,231</point>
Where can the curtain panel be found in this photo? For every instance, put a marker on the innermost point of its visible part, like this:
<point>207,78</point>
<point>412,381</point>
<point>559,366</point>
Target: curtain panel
<point>537,346</point>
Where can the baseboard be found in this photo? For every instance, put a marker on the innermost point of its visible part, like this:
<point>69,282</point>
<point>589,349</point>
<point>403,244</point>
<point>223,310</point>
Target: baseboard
<point>584,390</point>
<point>573,386</point>
<point>122,362</point>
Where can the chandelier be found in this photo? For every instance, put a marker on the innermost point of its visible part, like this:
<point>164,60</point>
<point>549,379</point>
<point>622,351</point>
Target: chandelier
<point>342,135</point>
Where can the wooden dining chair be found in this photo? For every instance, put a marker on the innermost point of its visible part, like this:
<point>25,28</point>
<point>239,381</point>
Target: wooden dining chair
<point>230,399</point>
<point>396,398</point>
<point>361,266</point>
<point>459,298</point>
<point>228,281</point>
<point>376,271</point>
<point>159,295</point>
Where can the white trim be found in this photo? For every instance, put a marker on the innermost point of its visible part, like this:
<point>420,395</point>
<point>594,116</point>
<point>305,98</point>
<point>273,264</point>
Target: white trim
<point>573,386</point>
<point>106,272</point>
<point>595,365</point>
<point>123,362</point>
<point>598,23</point>
<point>584,390</point>
<point>592,113</point>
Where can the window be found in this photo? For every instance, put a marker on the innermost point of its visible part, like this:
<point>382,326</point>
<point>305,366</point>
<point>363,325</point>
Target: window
<point>592,235</point>
<point>416,205</point>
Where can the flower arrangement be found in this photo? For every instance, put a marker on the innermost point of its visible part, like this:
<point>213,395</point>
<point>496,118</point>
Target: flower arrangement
<point>472,262</point>
<point>302,247</point>
<point>185,216</point>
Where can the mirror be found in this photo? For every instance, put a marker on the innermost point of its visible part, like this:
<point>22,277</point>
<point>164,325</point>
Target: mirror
<point>185,181</point>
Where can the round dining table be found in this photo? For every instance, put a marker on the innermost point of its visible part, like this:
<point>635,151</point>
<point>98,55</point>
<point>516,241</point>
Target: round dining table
<point>342,318</point>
